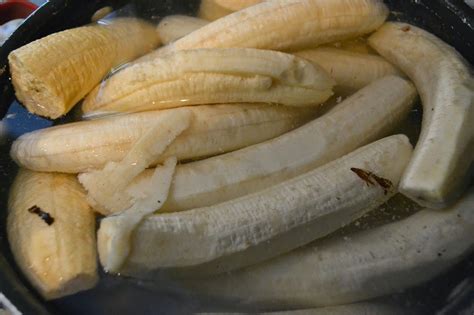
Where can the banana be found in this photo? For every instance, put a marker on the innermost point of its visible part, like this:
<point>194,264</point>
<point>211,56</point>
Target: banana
<point>273,221</point>
<point>445,151</point>
<point>106,186</point>
<point>368,115</point>
<point>118,238</point>
<point>174,27</point>
<point>53,73</point>
<point>358,45</point>
<point>51,231</point>
<point>209,76</point>
<point>87,145</point>
<point>214,9</point>
<point>351,71</point>
<point>288,25</point>
<point>372,263</point>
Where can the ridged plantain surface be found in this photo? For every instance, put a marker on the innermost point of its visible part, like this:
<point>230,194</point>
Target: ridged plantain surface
<point>51,74</point>
<point>287,25</point>
<point>212,76</point>
<point>87,145</point>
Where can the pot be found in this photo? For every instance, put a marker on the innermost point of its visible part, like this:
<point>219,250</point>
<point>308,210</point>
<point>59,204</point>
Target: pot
<point>452,21</point>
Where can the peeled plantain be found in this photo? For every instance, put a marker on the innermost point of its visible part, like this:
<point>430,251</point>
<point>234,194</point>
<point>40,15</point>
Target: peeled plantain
<point>214,9</point>
<point>51,230</point>
<point>286,25</point>
<point>53,73</point>
<point>212,76</point>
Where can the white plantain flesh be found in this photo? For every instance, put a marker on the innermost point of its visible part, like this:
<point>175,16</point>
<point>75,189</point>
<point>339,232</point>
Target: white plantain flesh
<point>174,27</point>
<point>51,74</point>
<point>280,218</point>
<point>351,71</point>
<point>51,231</point>
<point>286,25</point>
<point>117,230</point>
<point>444,154</point>
<point>87,145</point>
<point>372,263</point>
<point>106,186</point>
<point>210,76</point>
<point>368,115</point>
<point>214,9</point>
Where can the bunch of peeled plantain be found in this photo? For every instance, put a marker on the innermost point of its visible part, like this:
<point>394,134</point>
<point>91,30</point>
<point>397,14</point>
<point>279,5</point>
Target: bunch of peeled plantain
<point>231,156</point>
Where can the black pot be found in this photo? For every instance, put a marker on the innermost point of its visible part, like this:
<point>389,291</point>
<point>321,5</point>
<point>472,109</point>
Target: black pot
<point>451,20</point>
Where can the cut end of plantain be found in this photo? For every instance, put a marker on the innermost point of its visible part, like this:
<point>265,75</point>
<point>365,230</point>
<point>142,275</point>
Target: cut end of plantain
<point>50,75</point>
<point>34,93</point>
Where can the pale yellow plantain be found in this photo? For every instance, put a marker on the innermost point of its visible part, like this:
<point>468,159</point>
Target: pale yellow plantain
<point>351,71</point>
<point>51,74</point>
<point>214,9</point>
<point>83,146</point>
<point>286,25</point>
<point>51,230</point>
<point>210,76</point>
<point>442,163</point>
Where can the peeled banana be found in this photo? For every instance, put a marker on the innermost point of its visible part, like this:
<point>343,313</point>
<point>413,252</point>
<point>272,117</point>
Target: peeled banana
<point>273,221</point>
<point>107,186</point>
<point>287,25</point>
<point>51,231</point>
<point>440,168</point>
<point>372,263</point>
<point>358,45</point>
<point>174,27</point>
<point>209,76</point>
<point>351,71</point>
<point>214,9</point>
<point>53,73</point>
<point>87,145</point>
<point>365,117</point>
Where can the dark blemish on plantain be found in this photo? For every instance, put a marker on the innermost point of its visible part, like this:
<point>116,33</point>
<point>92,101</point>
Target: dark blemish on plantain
<point>45,216</point>
<point>386,184</point>
<point>406,28</point>
<point>364,175</point>
<point>371,179</point>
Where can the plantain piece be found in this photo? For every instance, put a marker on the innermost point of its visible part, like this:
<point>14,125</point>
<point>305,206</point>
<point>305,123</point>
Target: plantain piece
<point>271,222</point>
<point>83,146</point>
<point>444,154</point>
<point>117,230</point>
<point>351,71</point>
<point>358,45</point>
<point>174,27</point>
<point>51,74</point>
<point>372,263</point>
<point>368,115</point>
<point>286,25</point>
<point>209,76</point>
<point>214,9</point>
<point>51,231</point>
<point>107,186</point>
